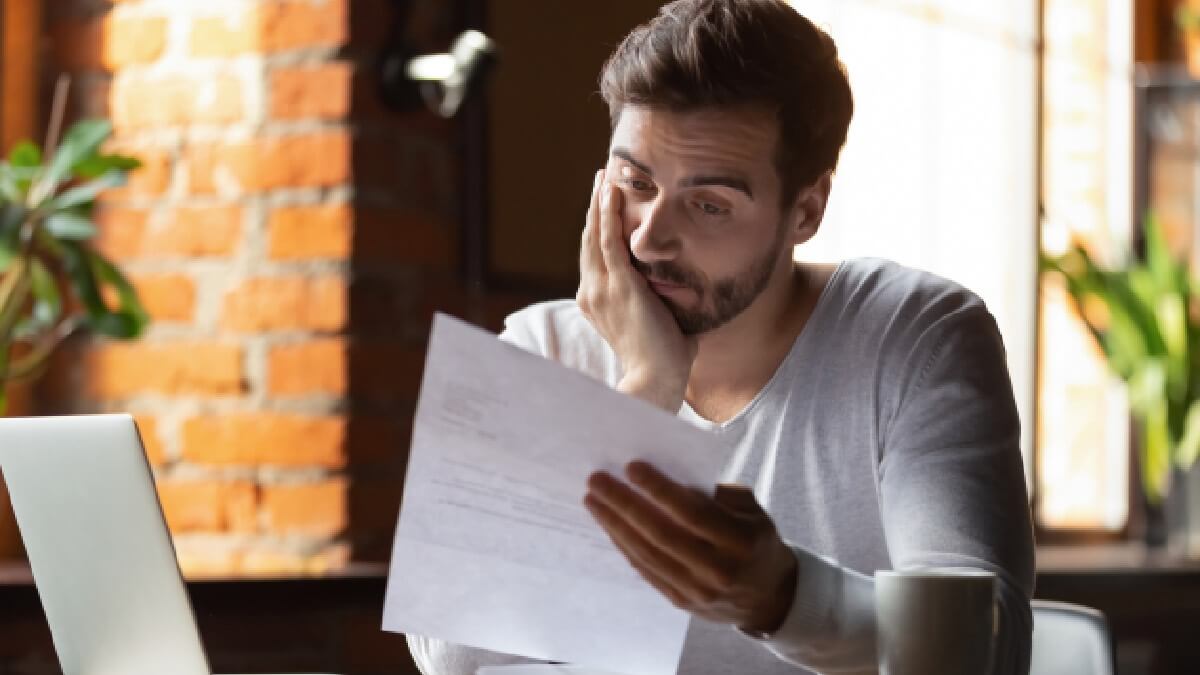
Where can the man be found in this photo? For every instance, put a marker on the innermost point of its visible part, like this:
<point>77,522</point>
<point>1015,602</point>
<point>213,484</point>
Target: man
<point>868,406</point>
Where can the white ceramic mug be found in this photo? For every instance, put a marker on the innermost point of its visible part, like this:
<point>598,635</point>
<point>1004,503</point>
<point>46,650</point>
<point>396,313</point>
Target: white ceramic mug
<point>935,621</point>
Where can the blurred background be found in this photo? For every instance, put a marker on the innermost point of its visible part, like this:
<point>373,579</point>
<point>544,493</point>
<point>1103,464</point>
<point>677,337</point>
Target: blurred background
<point>304,206</point>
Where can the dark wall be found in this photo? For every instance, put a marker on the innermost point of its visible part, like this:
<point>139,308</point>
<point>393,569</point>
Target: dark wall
<point>548,129</point>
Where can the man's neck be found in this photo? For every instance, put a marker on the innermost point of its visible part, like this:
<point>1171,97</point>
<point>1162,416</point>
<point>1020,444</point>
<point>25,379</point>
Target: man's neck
<point>741,356</point>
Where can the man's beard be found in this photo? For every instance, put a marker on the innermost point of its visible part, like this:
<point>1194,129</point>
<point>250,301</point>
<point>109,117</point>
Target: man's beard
<point>718,302</point>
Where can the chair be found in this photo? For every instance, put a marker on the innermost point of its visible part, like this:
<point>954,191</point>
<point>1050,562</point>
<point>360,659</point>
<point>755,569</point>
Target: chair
<point>1070,640</point>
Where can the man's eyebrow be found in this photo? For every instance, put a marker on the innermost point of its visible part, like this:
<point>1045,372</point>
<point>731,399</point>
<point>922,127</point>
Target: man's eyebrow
<point>694,181</point>
<point>724,181</point>
<point>628,157</point>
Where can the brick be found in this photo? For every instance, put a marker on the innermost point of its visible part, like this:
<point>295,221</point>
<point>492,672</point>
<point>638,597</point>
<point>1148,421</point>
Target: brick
<point>270,27</point>
<point>282,303</point>
<point>312,160</point>
<point>315,509</point>
<point>272,562</point>
<point>147,102</point>
<point>151,441</point>
<point>133,40</point>
<point>120,231</point>
<point>208,505</point>
<point>398,236</point>
<point>311,92</point>
<point>273,439</point>
<point>302,232</point>
<point>166,297</point>
<point>196,232</point>
<point>152,178</point>
<point>199,560</point>
<point>118,369</point>
<point>303,160</point>
<point>311,367</point>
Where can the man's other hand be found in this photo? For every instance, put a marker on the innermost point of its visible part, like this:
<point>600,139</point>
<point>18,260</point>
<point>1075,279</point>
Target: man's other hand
<point>655,355</point>
<point>719,558</point>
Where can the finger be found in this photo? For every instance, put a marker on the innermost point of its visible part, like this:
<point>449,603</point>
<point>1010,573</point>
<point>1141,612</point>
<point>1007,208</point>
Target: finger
<point>590,259</point>
<point>674,595</point>
<point>738,498</point>
<point>691,508</point>
<point>668,575</point>
<point>628,511</point>
<point>612,229</point>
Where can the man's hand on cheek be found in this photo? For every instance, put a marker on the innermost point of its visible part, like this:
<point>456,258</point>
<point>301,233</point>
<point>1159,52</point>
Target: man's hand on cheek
<point>719,558</point>
<point>654,353</point>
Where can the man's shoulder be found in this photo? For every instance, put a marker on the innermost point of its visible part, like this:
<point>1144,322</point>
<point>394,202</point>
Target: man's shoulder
<point>558,330</point>
<point>545,323</point>
<point>900,297</point>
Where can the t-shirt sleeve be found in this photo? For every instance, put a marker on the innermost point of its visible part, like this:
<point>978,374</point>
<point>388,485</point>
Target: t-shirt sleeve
<point>435,657</point>
<point>952,494</point>
<point>520,330</point>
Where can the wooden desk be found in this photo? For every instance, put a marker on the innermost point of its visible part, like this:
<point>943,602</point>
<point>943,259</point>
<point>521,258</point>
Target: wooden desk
<point>332,623</point>
<point>1152,601</point>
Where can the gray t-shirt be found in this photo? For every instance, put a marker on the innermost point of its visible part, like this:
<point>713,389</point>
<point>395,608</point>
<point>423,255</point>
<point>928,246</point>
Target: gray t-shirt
<point>887,439</point>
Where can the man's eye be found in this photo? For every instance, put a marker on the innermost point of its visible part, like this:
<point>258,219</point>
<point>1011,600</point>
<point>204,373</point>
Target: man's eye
<point>637,184</point>
<point>711,209</point>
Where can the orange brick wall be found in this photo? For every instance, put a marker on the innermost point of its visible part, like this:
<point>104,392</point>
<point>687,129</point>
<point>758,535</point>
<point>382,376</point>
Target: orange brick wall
<point>290,239</point>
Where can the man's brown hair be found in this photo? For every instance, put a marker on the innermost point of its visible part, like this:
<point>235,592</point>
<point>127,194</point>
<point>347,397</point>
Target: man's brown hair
<point>700,54</point>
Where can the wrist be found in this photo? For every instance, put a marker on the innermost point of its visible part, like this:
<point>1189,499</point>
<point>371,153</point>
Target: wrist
<point>775,613</point>
<point>662,391</point>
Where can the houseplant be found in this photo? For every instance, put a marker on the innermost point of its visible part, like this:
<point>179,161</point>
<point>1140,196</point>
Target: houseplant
<point>1145,315</point>
<point>53,282</point>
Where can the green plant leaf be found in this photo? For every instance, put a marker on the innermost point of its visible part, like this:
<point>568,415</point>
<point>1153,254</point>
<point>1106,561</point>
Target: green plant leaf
<point>10,190</point>
<point>89,273</point>
<point>1147,385</point>
<point>70,225</point>
<point>48,305</point>
<point>82,195</point>
<point>80,143</point>
<point>98,165</point>
<point>1156,452</point>
<point>11,217</point>
<point>26,154</point>
<point>14,291</point>
<point>1172,322</point>
<point>1188,449</point>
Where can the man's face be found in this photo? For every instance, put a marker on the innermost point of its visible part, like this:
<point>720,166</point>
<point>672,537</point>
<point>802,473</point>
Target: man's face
<point>701,207</point>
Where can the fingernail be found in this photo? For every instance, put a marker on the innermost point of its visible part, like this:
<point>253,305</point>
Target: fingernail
<point>637,471</point>
<point>605,194</point>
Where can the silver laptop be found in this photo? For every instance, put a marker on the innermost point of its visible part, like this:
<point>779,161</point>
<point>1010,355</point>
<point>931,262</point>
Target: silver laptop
<point>102,557</point>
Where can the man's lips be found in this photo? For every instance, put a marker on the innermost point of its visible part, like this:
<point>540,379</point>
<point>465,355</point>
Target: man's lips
<point>665,286</point>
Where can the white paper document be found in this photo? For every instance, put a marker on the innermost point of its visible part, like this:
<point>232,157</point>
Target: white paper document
<point>540,669</point>
<point>494,548</point>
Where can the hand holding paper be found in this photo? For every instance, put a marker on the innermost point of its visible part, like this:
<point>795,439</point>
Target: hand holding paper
<point>719,558</point>
<point>494,548</point>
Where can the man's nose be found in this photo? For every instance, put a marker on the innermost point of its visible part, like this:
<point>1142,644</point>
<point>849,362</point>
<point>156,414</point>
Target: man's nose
<point>653,238</point>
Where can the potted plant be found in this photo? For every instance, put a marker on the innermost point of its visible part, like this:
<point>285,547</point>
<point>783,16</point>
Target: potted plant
<point>1145,315</point>
<point>52,279</point>
<point>53,282</point>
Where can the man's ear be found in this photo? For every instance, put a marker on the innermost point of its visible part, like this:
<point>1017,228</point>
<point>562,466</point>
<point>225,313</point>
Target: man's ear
<point>808,210</point>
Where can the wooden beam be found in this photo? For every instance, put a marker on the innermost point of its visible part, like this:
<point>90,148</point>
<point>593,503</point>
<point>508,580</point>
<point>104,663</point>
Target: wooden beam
<point>19,46</point>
